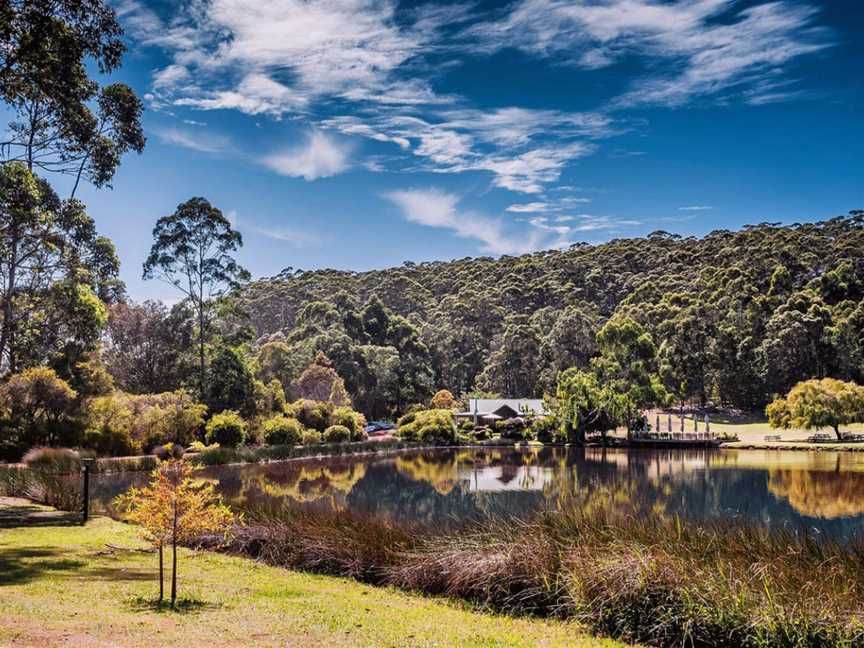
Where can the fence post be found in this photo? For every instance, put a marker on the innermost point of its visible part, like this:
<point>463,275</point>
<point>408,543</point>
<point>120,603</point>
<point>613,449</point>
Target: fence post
<point>85,467</point>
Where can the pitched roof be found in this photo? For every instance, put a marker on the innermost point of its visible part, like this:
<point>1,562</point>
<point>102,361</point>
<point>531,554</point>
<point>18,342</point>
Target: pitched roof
<point>518,405</point>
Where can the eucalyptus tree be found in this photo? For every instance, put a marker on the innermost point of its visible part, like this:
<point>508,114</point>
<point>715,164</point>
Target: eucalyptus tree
<point>64,122</point>
<point>192,251</point>
<point>627,364</point>
<point>56,273</point>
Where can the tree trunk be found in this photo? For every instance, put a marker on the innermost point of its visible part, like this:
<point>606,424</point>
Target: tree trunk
<point>174,559</point>
<point>837,432</point>
<point>161,574</point>
<point>202,367</point>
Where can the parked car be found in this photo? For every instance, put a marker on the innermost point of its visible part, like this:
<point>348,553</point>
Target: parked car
<point>375,428</point>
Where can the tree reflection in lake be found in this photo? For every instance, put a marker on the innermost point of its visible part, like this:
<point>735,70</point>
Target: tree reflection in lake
<point>822,491</point>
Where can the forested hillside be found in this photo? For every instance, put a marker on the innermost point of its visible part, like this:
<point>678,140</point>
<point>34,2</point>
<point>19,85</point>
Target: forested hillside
<point>735,316</point>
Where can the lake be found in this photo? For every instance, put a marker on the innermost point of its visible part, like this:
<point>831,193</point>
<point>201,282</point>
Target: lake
<point>822,491</point>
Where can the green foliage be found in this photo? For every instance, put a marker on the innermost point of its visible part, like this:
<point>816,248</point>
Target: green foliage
<point>108,427</point>
<point>817,404</point>
<point>311,437</point>
<point>37,408</point>
<point>192,251</point>
<point>227,428</point>
<point>231,385</point>
<point>705,304</point>
<point>53,310</point>
<point>354,421</point>
<point>320,382</point>
<point>337,434</point>
<point>64,122</point>
<point>586,405</point>
<point>314,415</point>
<point>436,426</point>
<point>627,365</point>
<point>282,430</point>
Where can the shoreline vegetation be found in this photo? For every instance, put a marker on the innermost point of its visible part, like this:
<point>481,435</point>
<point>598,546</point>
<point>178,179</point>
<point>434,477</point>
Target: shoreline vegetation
<point>662,581</point>
<point>231,601</point>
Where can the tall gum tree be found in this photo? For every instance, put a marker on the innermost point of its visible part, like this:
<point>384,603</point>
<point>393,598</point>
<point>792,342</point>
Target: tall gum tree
<point>192,251</point>
<point>64,122</point>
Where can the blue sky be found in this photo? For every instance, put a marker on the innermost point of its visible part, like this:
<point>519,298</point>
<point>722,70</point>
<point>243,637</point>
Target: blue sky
<point>359,134</point>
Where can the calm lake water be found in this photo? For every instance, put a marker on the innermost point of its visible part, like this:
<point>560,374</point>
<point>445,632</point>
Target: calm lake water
<point>823,491</point>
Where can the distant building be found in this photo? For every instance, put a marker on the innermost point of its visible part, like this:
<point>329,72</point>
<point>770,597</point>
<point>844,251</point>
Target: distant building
<point>488,410</point>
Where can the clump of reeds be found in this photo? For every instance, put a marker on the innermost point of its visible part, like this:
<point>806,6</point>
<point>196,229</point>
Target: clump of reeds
<point>657,580</point>
<point>46,475</point>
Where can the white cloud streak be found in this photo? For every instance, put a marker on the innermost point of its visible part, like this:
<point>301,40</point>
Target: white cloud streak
<point>715,56</point>
<point>439,209</point>
<point>198,141</point>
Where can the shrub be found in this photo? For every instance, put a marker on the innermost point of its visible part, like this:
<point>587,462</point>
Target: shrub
<point>62,461</point>
<point>406,419</point>
<point>481,433</point>
<point>514,428</point>
<point>108,426</point>
<point>314,415</point>
<point>177,419</point>
<point>311,437</point>
<point>430,426</point>
<point>546,429</point>
<point>281,430</point>
<point>466,426</point>
<point>337,434</point>
<point>350,419</point>
<point>227,429</point>
<point>442,399</point>
<point>38,406</point>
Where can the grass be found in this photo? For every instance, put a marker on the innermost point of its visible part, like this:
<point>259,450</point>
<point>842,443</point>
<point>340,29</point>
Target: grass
<point>656,580</point>
<point>94,586</point>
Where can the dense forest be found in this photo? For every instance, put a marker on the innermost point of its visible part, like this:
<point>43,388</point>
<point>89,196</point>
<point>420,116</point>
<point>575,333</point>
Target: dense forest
<point>609,330</point>
<point>735,316</point>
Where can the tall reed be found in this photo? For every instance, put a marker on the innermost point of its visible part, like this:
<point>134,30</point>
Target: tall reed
<point>656,580</point>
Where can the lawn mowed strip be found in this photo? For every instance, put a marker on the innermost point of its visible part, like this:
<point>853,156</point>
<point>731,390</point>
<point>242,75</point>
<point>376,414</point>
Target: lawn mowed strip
<point>94,586</point>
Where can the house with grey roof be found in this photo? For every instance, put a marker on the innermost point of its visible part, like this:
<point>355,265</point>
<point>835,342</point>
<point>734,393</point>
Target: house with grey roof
<point>488,410</point>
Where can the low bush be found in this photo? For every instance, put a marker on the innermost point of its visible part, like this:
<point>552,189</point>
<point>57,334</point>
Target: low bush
<point>354,421</point>
<point>429,426</point>
<point>546,429</point>
<point>314,415</point>
<point>227,429</point>
<point>515,429</point>
<point>311,437</point>
<point>466,426</point>
<point>282,430</point>
<point>337,434</point>
<point>61,461</point>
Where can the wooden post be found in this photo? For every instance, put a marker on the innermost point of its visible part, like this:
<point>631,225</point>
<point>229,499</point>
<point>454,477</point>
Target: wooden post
<point>85,466</point>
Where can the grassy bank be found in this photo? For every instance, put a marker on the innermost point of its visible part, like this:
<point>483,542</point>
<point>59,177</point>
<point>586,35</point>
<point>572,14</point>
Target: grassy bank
<point>794,445</point>
<point>662,582</point>
<point>91,586</point>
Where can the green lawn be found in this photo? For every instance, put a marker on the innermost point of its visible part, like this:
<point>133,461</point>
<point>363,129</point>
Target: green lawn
<point>89,586</point>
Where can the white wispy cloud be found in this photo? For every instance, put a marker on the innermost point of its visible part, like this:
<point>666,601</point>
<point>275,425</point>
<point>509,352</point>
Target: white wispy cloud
<point>440,209</point>
<point>715,56</point>
<point>198,141</point>
<point>522,149</point>
<point>320,156</point>
<point>294,237</point>
<point>696,208</point>
<point>529,208</point>
<point>274,57</point>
